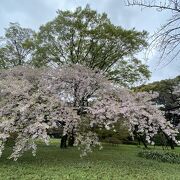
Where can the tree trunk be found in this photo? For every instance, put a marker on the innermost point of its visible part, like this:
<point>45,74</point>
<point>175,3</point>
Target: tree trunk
<point>144,142</point>
<point>169,141</point>
<point>63,142</point>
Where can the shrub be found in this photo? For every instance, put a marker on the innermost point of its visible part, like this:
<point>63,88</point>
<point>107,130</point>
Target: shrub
<point>169,157</point>
<point>160,139</point>
<point>130,142</point>
<point>113,140</point>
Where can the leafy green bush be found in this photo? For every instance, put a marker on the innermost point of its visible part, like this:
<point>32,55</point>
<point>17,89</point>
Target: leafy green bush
<point>169,157</point>
<point>160,139</point>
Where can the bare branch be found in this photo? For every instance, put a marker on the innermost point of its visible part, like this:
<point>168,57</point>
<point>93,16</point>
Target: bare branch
<point>166,39</point>
<point>159,5</point>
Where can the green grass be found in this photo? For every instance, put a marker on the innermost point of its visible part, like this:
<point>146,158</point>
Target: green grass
<point>113,162</point>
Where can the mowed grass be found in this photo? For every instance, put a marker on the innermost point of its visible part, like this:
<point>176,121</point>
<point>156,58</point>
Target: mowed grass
<point>111,163</point>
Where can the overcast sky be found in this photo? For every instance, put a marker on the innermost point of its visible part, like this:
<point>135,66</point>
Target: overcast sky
<point>33,13</point>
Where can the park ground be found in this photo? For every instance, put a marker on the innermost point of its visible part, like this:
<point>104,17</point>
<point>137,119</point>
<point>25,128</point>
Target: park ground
<point>113,162</point>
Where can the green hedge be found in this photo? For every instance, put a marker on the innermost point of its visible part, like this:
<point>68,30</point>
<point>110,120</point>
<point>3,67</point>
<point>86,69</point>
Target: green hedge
<point>169,157</point>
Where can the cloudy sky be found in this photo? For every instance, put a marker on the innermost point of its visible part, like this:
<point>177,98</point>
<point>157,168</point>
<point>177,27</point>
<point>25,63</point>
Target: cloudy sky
<point>33,13</point>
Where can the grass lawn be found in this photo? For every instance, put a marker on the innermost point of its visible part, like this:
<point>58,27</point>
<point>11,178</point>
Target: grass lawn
<point>113,162</point>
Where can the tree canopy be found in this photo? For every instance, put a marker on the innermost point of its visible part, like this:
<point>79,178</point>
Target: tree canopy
<point>82,37</point>
<point>168,99</point>
<point>86,37</point>
<point>16,46</point>
<point>33,101</point>
<point>168,90</point>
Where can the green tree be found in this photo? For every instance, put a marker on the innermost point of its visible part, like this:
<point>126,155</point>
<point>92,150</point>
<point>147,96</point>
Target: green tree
<point>88,38</point>
<point>167,92</point>
<point>16,46</point>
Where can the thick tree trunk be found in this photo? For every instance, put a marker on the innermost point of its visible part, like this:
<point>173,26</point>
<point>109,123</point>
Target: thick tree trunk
<point>171,143</point>
<point>63,142</point>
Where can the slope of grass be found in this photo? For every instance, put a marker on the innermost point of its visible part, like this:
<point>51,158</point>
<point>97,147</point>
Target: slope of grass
<point>113,162</point>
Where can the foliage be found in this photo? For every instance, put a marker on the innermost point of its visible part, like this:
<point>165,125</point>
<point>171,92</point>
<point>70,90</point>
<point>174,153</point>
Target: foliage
<point>160,140</point>
<point>161,156</point>
<point>116,136</point>
<point>169,95</point>
<point>17,46</point>
<point>82,37</point>
<point>166,89</point>
<point>89,38</point>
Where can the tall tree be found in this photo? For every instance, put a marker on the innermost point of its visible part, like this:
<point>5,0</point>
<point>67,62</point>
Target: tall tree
<point>167,38</point>
<point>16,46</point>
<point>88,38</point>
